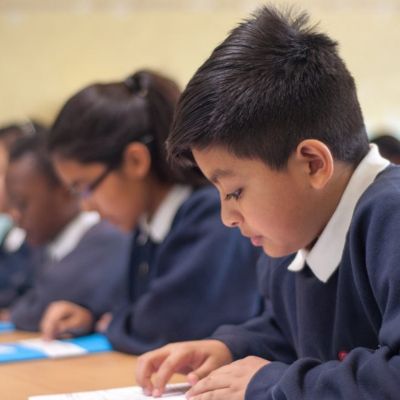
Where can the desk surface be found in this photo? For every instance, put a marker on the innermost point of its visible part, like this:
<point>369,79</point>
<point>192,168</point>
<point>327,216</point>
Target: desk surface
<point>92,372</point>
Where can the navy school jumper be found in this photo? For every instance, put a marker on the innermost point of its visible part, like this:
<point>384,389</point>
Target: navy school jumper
<point>336,340</point>
<point>200,276</point>
<point>91,275</point>
<point>16,274</point>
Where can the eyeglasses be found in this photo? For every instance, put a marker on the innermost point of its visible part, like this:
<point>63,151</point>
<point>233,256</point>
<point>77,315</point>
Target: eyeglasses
<point>91,187</point>
<point>87,191</point>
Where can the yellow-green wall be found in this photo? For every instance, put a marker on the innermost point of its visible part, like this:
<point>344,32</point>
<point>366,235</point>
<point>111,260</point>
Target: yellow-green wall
<point>49,52</point>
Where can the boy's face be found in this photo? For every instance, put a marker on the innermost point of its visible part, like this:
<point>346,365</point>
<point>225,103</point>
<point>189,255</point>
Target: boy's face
<point>37,206</point>
<point>277,210</point>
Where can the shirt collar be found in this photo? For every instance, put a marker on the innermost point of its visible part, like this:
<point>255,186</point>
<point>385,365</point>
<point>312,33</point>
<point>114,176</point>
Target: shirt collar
<point>71,235</point>
<point>159,226</point>
<point>324,258</point>
<point>14,240</point>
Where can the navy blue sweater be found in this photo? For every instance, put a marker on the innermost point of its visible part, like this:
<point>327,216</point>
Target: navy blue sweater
<point>16,274</point>
<point>90,275</point>
<point>334,340</point>
<point>202,275</point>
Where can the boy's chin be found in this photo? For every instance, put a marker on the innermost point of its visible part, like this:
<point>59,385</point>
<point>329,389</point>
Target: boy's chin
<point>278,252</point>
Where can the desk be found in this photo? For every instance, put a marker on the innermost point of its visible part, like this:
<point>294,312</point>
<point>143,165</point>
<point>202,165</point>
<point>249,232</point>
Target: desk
<point>92,372</point>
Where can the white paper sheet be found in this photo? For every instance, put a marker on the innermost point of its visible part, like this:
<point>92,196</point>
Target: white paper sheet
<point>173,392</point>
<point>54,348</point>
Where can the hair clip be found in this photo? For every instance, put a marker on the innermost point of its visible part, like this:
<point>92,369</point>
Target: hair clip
<point>133,84</point>
<point>27,127</point>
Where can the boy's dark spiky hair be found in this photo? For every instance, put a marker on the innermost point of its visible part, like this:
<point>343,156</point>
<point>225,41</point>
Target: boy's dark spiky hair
<point>272,83</point>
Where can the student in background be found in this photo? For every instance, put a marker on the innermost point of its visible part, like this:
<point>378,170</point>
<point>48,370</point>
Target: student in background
<point>16,270</point>
<point>76,256</point>
<point>188,273</point>
<point>389,146</point>
<point>272,119</point>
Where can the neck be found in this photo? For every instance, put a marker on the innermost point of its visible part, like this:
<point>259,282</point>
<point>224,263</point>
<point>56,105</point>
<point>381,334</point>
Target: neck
<point>67,216</point>
<point>328,202</point>
<point>340,180</point>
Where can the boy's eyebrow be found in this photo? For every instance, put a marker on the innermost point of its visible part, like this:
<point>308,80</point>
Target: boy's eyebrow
<point>220,173</point>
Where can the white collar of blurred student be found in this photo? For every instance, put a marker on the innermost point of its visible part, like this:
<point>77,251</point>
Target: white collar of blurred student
<point>159,226</point>
<point>324,258</point>
<point>71,235</point>
<point>14,239</point>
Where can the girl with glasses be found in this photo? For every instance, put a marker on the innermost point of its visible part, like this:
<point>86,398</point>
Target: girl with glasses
<point>188,273</point>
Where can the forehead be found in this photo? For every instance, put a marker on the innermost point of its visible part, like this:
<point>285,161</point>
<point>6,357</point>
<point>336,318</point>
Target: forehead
<point>25,178</point>
<point>74,171</point>
<point>23,169</point>
<point>218,163</point>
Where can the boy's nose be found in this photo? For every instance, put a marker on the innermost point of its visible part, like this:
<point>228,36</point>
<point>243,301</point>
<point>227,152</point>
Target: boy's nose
<point>230,217</point>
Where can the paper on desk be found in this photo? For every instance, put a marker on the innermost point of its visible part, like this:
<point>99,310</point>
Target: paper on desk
<point>173,392</point>
<point>54,348</point>
<point>35,349</point>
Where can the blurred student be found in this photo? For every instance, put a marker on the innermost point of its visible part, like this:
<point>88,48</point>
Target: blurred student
<point>16,269</point>
<point>389,146</point>
<point>77,257</point>
<point>272,119</point>
<point>188,273</point>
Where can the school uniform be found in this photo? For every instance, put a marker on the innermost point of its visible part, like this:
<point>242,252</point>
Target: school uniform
<point>84,264</point>
<point>188,275</point>
<point>16,267</point>
<point>331,325</point>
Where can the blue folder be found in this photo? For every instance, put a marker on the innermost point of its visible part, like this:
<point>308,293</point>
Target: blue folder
<point>6,326</point>
<point>17,351</point>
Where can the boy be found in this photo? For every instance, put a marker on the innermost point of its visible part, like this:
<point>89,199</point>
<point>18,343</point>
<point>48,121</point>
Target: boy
<point>272,118</point>
<point>77,257</point>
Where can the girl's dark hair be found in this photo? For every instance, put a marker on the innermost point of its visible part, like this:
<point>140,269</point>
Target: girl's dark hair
<point>98,122</point>
<point>273,82</point>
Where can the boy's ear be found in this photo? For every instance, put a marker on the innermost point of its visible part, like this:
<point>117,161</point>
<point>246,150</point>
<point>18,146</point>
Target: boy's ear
<point>136,160</point>
<point>317,160</point>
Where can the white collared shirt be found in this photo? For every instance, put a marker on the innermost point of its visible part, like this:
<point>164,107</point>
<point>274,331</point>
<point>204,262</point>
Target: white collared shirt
<point>159,226</point>
<point>324,258</point>
<point>70,236</point>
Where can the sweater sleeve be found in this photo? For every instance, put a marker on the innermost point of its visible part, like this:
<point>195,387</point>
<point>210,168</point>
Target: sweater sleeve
<point>91,275</point>
<point>364,373</point>
<point>205,277</point>
<point>260,336</point>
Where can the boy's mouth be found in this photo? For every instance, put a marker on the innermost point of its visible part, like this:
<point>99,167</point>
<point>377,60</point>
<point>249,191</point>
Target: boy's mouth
<point>256,240</point>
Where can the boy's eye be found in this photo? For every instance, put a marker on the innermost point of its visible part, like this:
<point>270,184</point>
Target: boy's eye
<point>234,195</point>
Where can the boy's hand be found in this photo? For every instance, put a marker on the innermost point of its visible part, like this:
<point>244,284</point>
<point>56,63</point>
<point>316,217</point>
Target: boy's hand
<point>196,358</point>
<point>65,319</point>
<point>229,382</point>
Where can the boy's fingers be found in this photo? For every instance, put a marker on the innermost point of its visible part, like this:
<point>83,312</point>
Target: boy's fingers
<point>146,366</point>
<point>201,372</point>
<point>172,364</point>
